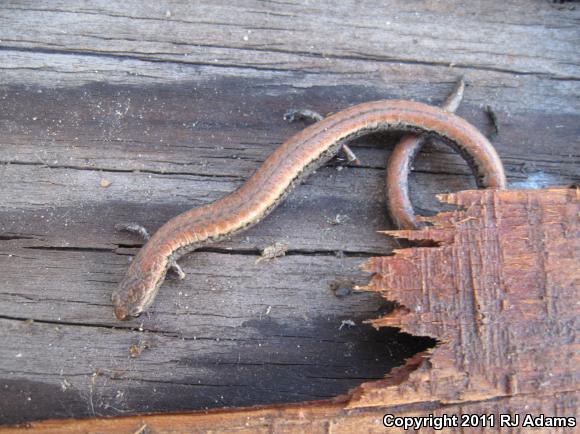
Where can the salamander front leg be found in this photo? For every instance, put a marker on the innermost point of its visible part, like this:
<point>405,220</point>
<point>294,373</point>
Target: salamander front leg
<point>139,230</point>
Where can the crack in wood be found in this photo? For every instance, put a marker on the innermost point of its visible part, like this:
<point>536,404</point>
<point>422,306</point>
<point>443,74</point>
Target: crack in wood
<point>148,57</point>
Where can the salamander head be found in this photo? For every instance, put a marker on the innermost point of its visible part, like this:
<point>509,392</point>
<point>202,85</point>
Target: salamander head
<point>136,291</point>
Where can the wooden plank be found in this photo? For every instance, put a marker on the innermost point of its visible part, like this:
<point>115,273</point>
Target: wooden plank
<point>258,34</point>
<point>199,128</point>
<point>494,288</point>
<point>262,361</point>
<point>178,109</point>
<point>315,418</point>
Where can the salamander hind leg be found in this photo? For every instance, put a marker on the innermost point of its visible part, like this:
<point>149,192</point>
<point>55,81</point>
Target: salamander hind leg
<point>307,115</point>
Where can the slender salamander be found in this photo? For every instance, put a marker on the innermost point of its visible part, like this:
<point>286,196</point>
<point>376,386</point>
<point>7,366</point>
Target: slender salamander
<point>294,160</point>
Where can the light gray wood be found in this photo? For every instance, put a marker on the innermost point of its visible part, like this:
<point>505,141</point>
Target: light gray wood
<point>175,105</point>
<point>271,35</point>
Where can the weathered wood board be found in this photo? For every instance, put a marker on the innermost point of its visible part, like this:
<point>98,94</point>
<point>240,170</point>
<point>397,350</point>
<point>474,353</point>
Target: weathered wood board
<point>176,105</point>
<point>496,286</point>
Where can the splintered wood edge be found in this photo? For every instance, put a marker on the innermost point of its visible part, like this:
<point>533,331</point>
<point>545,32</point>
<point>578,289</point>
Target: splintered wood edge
<point>481,216</point>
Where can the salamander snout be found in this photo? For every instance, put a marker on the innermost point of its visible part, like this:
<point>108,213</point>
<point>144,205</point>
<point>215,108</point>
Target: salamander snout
<point>122,312</point>
<point>135,292</point>
<point>122,309</point>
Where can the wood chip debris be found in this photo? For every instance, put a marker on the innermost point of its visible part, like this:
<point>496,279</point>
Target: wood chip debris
<point>347,323</point>
<point>135,350</point>
<point>274,251</point>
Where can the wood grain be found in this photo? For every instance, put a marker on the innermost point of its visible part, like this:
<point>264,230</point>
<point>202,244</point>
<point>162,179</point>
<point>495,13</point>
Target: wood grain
<point>496,290</point>
<point>176,110</point>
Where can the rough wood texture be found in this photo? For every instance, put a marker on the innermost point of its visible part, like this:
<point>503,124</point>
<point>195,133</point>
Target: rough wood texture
<point>497,287</point>
<point>176,105</point>
<point>498,290</point>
